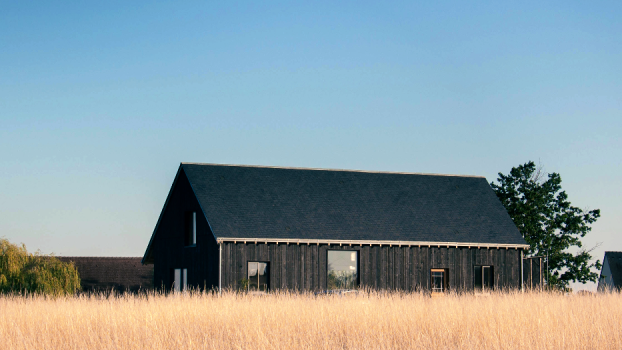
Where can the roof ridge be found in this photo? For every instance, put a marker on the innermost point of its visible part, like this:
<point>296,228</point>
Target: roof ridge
<point>329,169</point>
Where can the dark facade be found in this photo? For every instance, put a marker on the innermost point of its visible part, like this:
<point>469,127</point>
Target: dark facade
<point>534,270</point>
<point>170,250</point>
<point>401,227</point>
<point>304,267</point>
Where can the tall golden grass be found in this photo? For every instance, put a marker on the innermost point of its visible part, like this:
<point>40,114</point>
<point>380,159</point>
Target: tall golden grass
<point>511,320</point>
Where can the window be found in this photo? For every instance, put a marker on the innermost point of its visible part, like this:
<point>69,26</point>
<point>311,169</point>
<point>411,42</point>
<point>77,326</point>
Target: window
<point>190,228</point>
<point>342,269</point>
<point>184,279</point>
<point>438,280</point>
<point>180,279</point>
<point>258,276</point>
<point>483,277</point>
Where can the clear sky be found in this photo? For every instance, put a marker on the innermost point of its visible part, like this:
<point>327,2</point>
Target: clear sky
<point>100,102</point>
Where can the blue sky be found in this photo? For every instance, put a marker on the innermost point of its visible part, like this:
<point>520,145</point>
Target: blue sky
<point>100,102</point>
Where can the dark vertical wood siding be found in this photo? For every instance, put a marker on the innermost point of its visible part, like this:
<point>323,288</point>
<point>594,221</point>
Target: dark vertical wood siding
<point>533,271</point>
<point>303,267</point>
<point>169,249</point>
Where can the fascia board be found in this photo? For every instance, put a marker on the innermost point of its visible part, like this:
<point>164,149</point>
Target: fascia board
<point>371,242</point>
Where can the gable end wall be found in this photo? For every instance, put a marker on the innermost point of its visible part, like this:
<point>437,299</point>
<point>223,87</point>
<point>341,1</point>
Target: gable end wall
<point>169,250</point>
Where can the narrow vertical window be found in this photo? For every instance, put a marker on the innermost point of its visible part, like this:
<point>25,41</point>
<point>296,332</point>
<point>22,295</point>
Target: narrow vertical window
<point>185,279</point>
<point>194,227</point>
<point>258,276</point>
<point>342,269</point>
<point>190,228</point>
<point>177,280</point>
<point>438,280</point>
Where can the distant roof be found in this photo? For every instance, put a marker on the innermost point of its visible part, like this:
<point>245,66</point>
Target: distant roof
<point>295,203</point>
<point>106,273</point>
<point>614,259</point>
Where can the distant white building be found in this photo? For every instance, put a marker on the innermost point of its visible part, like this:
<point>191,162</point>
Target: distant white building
<point>611,273</point>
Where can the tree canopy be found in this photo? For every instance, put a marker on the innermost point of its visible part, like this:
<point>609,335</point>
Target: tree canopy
<point>550,224</point>
<point>21,271</point>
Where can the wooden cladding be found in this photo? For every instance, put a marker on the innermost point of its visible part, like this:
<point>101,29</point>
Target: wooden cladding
<point>304,266</point>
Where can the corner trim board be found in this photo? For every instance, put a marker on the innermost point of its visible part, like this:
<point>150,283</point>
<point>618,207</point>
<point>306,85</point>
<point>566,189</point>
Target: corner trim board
<point>220,268</point>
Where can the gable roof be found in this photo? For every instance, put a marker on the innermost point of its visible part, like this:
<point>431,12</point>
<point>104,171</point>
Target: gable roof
<point>272,203</point>
<point>614,260</point>
<point>106,273</point>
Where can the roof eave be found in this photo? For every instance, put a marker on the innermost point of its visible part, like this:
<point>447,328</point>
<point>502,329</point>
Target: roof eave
<point>371,242</point>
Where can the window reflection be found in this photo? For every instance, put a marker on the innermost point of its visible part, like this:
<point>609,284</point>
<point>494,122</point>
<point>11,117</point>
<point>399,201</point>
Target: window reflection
<point>342,269</point>
<point>253,282</point>
<point>258,276</point>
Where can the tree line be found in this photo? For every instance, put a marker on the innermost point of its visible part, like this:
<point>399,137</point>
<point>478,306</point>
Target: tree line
<point>23,272</point>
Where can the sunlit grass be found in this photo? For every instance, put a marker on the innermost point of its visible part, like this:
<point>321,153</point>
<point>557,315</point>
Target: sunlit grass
<point>305,321</point>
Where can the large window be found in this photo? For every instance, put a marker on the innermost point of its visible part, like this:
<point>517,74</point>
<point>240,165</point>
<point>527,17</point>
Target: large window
<point>438,280</point>
<point>342,269</point>
<point>190,228</point>
<point>483,277</point>
<point>258,276</point>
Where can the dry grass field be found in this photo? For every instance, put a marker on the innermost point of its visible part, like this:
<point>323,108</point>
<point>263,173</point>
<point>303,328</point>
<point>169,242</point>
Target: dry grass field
<point>291,321</point>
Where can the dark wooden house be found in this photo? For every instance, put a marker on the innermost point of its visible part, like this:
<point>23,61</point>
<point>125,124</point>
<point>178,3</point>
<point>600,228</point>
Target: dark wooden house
<point>104,274</point>
<point>271,228</point>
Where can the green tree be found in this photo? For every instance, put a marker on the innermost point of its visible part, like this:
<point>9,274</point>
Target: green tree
<point>550,224</point>
<point>21,271</point>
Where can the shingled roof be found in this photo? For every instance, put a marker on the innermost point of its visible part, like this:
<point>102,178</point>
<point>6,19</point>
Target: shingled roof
<point>106,273</point>
<point>254,202</point>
